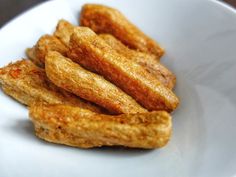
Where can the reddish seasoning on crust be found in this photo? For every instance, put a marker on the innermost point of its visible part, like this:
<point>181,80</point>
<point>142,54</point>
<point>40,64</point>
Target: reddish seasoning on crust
<point>27,83</point>
<point>15,73</point>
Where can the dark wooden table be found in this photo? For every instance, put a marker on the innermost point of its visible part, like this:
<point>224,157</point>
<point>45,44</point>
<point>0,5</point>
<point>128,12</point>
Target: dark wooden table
<point>11,8</point>
<point>231,2</point>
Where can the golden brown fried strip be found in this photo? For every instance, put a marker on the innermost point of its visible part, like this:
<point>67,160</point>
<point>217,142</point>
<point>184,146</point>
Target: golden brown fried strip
<point>28,83</point>
<point>30,53</point>
<point>58,42</point>
<point>20,96</point>
<point>45,43</point>
<point>148,61</point>
<point>78,127</point>
<point>93,53</point>
<point>103,19</point>
<point>90,86</point>
<point>63,31</point>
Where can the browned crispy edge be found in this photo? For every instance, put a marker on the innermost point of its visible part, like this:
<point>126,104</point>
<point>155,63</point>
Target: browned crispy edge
<point>74,126</point>
<point>104,19</point>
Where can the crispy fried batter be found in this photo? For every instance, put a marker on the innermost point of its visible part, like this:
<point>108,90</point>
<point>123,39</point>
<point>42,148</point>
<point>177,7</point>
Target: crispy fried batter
<point>93,53</point>
<point>82,128</point>
<point>28,83</point>
<point>45,43</point>
<point>90,86</point>
<point>148,61</point>
<point>103,19</point>
<point>30,53</point>
<point>64,30</point>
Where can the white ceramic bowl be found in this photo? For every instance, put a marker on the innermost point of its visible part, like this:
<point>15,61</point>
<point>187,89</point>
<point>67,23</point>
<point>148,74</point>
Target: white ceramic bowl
<point>199,37</point>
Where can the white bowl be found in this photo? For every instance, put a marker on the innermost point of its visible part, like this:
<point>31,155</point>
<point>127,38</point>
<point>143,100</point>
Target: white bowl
<point>199,38</point>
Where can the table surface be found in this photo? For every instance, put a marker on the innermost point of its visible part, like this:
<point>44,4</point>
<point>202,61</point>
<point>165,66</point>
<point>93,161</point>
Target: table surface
<point>11,8</point>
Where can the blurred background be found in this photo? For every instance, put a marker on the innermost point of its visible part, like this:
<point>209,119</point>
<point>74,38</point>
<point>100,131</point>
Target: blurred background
<point>11,8</point>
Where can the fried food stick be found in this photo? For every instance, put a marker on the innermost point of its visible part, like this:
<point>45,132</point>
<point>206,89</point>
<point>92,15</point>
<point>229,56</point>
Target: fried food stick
<point>28,83</point>
<point>148,61</point>
<point>45,43</point>
<point>103,19</point>
<point>73,126</point>
<point>63,31</point>
<point>58,42</point>
<point>72,77</point>
<point>93,53</point>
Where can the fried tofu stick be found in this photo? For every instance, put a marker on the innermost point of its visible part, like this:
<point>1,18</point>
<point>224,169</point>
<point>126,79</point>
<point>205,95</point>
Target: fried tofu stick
<point>58,42</point>
<point>28,83</point>
<point>73,126</point>
<point>63,31</point>
<point>93,53</point>
<point>148,61</point>
<point>92,87</point>
<point>103,19</point>
<point>45,43</point>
